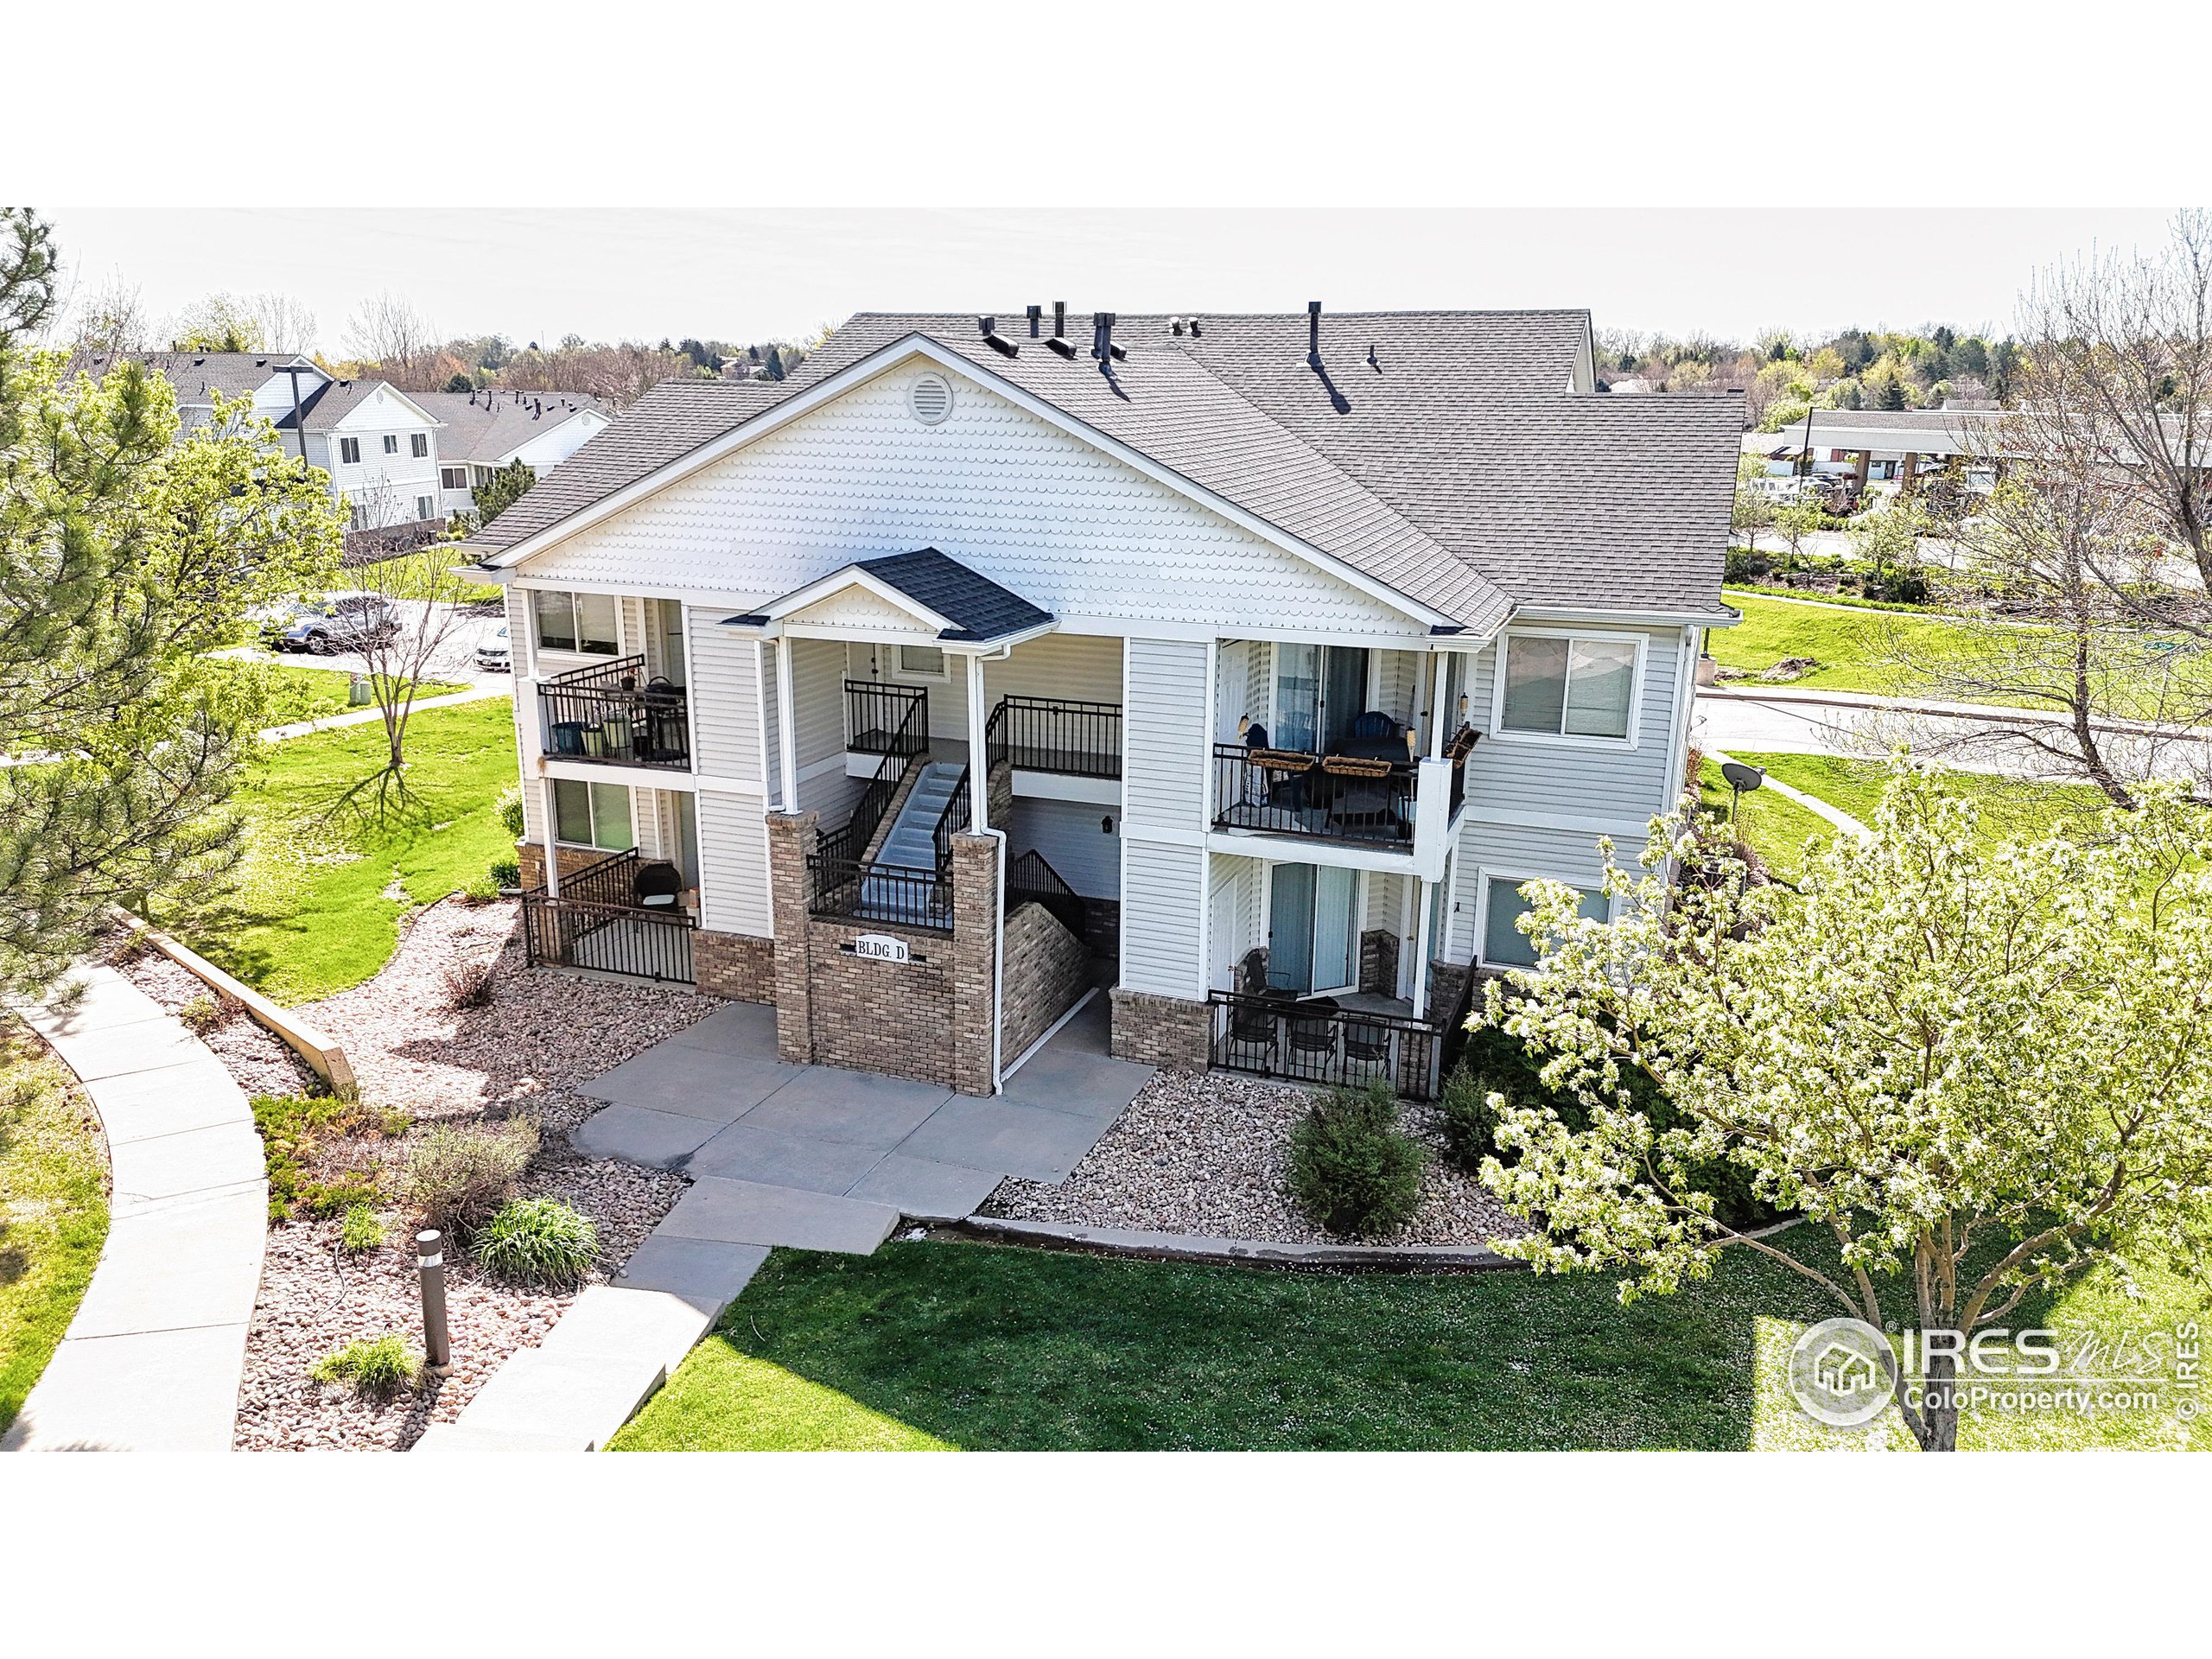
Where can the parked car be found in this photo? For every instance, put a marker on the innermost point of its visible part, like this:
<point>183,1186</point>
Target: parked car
<point>342,622</point>
<point>272,622</point>
<point>496,655</point>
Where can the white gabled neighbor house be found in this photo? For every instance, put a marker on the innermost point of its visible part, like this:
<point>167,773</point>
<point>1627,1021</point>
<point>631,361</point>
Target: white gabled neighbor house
<point>1268,663</point>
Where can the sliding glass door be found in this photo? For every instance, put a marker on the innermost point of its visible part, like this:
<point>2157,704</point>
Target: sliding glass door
<point>1320,692</point>
<point>1313,929</point>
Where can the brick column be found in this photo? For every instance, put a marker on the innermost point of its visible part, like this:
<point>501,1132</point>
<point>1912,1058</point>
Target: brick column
<point>792,838</point>
<point>974,959</point>
<point>998,799</point>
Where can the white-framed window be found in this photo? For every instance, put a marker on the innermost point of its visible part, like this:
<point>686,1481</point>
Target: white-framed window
<point>425,506</point>
<point>1580,687</point>
<point>349,451</point>
<point>581,622</point>
<point>1502,943</point>
<point>391,443</point>
<point>418,445</point>
<point>593,814</point>
<point>922,661</point>
<point>453,477</point>
<point>360,516</point>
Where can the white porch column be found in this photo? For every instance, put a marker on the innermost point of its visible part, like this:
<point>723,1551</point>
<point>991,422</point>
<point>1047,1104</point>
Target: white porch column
<point>1420,950</point>
<point>786,728</point>
<point>1437,713</point>
<point>545,816</point>
<point>979,767</point>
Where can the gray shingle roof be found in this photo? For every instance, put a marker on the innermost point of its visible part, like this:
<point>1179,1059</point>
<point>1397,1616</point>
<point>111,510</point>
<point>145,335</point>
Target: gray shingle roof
<point>1454,465</point>
<point>1907,420</point>
<point>488,426</point>
<point>978,609</point>
<point>195,376</point>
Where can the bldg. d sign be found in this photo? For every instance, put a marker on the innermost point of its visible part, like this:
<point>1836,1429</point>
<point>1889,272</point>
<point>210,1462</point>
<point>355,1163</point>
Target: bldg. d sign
<point>880,947</point>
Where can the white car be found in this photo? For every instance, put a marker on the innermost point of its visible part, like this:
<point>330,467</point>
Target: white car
<point>495,656</point>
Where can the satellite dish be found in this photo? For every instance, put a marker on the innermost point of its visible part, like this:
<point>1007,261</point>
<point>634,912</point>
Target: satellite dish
<point>1741,777</point>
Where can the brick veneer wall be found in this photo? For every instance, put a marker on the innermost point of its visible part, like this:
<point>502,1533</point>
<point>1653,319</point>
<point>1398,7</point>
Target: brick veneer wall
<point>1378,962</point>
<point>1047,969</point>
<point>1167,1030</point>
<point>735,965</point>
<point>530,858</point>
<point>928,1018</point>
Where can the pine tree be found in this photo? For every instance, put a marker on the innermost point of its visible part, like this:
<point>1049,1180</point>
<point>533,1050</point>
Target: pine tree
<point>125,557</point>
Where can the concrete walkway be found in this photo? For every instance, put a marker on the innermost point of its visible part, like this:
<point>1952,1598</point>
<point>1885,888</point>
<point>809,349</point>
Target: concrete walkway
<point>153,1359</point>
<point>805,1156</point>
<point>476,693</point>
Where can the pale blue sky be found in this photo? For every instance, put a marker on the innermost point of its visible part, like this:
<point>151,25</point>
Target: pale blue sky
<point>646,272</point>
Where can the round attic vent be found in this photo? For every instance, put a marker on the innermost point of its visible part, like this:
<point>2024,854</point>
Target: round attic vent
<point>929,399</point>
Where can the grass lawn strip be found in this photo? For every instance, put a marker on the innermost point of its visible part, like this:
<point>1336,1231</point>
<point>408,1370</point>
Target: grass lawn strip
<point>1849,645</point>
<point>296,693</point>
<point>322,889</point>
<point>2013,807</point>
<point>52,1208</point>
<point>1779,830</point>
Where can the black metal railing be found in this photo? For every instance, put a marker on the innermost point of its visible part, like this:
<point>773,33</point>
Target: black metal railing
<point>950,822</point>
<point>903,749</point>
<point>595,922</point>
<point>1030,879</point>
<point>611,711</point>
<point>1276,1036</point>
<point>866,890</point>
<point>1334,798</point>
<point>882,719</point>
<point>1056,734</point>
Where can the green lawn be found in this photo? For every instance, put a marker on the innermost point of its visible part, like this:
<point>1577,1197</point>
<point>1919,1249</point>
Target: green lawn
<point>2012,808</point>
<point>292,692</point>
<point>322,889</point>
<point>52,1208</point>
<point>1778,830</point>
<point>1849,645</point>
<point>933,1345</point>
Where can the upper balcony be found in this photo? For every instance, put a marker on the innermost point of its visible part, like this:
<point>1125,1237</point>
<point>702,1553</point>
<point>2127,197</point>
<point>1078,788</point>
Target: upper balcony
<point>612,712</point>
<point>1368,792</point>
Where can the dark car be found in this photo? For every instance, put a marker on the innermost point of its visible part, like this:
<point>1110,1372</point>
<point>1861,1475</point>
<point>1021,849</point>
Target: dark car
<point>342,622</point>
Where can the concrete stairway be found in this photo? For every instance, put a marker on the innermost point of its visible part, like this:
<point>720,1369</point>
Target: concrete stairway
<point>912,844</point>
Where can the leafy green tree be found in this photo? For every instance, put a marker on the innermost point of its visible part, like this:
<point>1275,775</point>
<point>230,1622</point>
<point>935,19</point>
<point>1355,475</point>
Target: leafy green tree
<point>221,322</point>
<point>461,383</point>
<point>1980,1070</point>
<point>126,555</point>
<point>501,491</point>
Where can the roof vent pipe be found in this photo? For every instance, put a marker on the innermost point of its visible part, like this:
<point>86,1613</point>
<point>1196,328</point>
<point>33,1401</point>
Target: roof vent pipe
<point>1036,311</point>
<point>1313,334</point>
<point>1059,319</point>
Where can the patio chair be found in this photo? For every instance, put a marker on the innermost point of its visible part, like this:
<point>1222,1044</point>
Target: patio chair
<point>1313,1035</point>
<point>1252,1035</point>
<point>1367,1043</point>
<point>657,886</point>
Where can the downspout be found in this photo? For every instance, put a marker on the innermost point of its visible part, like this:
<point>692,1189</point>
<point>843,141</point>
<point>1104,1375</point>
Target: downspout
<point>980,783</point>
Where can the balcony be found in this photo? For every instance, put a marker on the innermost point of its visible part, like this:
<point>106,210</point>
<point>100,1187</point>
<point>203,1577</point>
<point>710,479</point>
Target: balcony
<point>611,712</point>
<point>1360,799</point>
<point>618,916</point>
<point>1061,734</point>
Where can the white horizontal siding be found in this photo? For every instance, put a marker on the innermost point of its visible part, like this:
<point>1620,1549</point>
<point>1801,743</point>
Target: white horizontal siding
<point>1523,778</point>
<point>726,736</point>
<point>1163,909</point>
<point>1165,751</point>
<point>1085,667</point>
<point>1051,516</point>
<point>1484,849</point>
<point>1072,837</point>
<point>733,864</point>
<point>526,708</point>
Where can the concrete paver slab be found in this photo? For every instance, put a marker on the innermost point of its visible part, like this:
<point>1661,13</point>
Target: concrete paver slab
<point>704,1271</point>
<point>175,1266</point>
<point>1025,1140</point>
<point>696,1081</point>
<point>611,1321</point>
<point>743,1031</point>
<point>1080,1085</point>
<point>192,1160</point>
<point>926,1190</point>
<point>141,1104</point>
<point>108,1000</point>
<point>584,1397</point>
<point>150,1391</point>
<point>857,1107</point>
<point>131,1046</point>
<point>746,1212</point>
<point>642,1136</point>
<point>746,1153</point>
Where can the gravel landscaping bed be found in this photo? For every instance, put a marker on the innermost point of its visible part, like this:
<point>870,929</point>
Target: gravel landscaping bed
<point>1209,1153</point>
<point>418,1057</point>
<point>262,1062</point>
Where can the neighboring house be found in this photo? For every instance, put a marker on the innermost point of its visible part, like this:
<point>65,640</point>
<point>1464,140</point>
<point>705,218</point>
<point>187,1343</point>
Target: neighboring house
<point>1289,647</point>
<point>482,432</point>
<point>1884,445</point>
<point>378,445</point>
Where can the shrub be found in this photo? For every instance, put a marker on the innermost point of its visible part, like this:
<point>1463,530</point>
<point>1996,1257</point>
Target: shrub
<point>1746,564</point>
<point>361,1230</point>
<point>539,1240</point>
<point>505,872</point>
<point>469,983</point>
<point>201,1015</point>
<point>1468,1121</point>
<point>378,1368</point>
<point>1351,1168</point>
<point>456,1178</point>
<point>323,1200</point>
<point>290,1125</point>
<point>510,810</point>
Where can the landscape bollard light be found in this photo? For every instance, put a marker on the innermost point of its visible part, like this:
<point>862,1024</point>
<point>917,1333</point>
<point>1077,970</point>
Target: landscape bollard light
<point>429,1256</point>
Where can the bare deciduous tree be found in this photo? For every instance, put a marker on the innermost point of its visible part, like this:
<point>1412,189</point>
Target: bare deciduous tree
<point>430,603</point>
<point>389,332</point>
<point>286,324</point>
<point>111,318</point>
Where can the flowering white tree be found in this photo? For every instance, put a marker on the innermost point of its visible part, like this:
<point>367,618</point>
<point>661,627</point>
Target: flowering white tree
<point>1980,1068</point>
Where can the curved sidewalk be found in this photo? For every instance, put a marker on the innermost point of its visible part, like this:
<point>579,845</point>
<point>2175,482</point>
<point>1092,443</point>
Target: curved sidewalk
<point>153,1359</point>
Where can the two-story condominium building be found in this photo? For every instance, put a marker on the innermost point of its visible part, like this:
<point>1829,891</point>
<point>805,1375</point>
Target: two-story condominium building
<point>1247,665</point>
<point>480,432</point>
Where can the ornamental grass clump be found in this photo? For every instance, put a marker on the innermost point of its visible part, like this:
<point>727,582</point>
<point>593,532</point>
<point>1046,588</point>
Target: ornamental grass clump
<point>376,1369</point>
<point>539,1241</point>
<point>1351,1168</point>
<point>456,1178</point>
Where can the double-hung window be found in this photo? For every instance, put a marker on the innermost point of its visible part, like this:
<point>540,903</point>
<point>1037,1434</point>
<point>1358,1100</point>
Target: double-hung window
<point>453,477</point>
<point>1503,943</point>
<point>593,814</point>
<point>1568,685</point>
<point>418,445</point>
<point>349,451</point>
<point>391,443</point>
<point>425,506</point>
<point>581,622</point>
